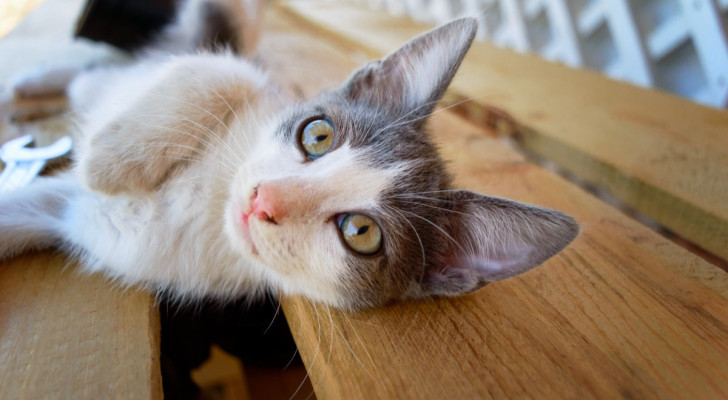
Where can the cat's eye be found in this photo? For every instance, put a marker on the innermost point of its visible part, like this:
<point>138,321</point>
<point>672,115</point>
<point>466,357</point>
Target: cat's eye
<point>360,233</point>
<point>317,136</point>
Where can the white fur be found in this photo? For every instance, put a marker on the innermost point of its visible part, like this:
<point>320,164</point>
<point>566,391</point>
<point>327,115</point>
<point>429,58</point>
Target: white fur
<point>172,235</point>
<point>337,183</point>
<point>186,232</point>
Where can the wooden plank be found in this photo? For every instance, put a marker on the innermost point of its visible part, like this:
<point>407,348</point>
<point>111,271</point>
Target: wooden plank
<point>662,155</point>
<point>70,336</point>
<point>64,335</point>
<point>621,313</point>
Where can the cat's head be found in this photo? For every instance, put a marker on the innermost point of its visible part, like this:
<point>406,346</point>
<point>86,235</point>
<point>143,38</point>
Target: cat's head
<point>348,202</point>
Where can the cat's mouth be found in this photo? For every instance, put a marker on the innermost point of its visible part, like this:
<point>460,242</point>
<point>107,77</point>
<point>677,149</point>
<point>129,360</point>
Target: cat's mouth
<point>246,233</point>
<point>243,227</point>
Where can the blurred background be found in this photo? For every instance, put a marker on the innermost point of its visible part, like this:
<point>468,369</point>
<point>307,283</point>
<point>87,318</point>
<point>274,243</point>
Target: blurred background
<point>680,46</point>
<point>675,45</point>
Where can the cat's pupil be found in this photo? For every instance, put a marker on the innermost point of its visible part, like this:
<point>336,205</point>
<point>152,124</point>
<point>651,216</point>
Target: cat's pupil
<point>321,138</point>
<point>362,230</point>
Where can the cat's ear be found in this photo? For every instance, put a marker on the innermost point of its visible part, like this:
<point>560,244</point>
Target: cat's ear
<point>414,78</point>
<point>490,239</point>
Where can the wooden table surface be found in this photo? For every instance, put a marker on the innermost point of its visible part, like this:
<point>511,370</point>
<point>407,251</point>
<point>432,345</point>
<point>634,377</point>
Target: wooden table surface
<point>621,313</point>
<point>64,335</point>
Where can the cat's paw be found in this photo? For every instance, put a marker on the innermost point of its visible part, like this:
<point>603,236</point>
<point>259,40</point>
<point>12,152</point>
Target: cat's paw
<point>116,161</point>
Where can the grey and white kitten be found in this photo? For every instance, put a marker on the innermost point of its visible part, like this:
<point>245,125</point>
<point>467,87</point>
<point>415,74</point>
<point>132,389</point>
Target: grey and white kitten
<point>195,176</point>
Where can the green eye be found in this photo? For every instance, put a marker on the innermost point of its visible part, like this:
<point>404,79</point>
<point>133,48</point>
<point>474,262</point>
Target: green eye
<point>317,137</point>
<point>360,233</point>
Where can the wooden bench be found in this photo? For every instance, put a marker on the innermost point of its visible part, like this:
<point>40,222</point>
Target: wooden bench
<point>621,313</point>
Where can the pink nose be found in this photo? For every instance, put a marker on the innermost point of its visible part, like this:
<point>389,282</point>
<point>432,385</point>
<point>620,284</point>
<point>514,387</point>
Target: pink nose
<point>266,204</point>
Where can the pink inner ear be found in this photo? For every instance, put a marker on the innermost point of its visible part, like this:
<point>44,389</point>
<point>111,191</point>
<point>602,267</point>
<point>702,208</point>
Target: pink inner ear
<point>493,267</point>
<point>466,273</point>
<point>495,239</point>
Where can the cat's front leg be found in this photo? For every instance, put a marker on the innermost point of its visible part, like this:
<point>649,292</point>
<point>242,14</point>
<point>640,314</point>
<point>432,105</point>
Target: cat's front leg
<point>135,137</point>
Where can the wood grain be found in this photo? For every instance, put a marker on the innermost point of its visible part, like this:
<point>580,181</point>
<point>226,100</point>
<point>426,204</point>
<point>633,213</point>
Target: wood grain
<point>64,335</point>
<point>664,156</point>
<point>621,313</point>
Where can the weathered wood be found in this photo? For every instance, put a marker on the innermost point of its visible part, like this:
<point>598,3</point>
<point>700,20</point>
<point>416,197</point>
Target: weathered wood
<point>621,313</point>
<point>64,335</point>
<point>662,155</point>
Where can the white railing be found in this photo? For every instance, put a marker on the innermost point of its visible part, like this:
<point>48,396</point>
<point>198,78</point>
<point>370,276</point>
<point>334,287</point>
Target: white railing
<point>676,45</point>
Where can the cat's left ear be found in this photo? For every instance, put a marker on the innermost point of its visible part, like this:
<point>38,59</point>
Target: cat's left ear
<point>414,78</point>
<point>487,239</point>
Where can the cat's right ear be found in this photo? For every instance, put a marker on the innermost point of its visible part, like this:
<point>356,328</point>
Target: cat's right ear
<point>414,78</point>
<point>485,239</point>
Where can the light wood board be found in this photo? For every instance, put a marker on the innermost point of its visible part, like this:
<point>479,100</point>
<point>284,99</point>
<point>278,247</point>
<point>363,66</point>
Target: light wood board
<point>621,313</point>
<point>663,156</point>
<point>64,335</point>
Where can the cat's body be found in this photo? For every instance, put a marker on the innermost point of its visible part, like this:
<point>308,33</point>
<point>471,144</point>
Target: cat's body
<point>169,215</point>
<point>196,176</point>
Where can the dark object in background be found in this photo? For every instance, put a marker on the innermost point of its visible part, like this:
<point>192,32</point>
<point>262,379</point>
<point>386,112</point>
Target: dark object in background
<point>258,334</point>
<point>126,24</point>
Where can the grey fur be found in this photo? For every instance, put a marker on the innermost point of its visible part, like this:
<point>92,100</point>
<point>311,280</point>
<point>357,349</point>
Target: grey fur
<point>422,214</point>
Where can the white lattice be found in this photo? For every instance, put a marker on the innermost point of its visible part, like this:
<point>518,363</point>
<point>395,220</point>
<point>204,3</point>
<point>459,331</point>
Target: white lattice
<point>677,45</point>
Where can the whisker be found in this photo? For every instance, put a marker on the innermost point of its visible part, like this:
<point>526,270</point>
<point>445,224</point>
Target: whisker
<point>419,239</point>
<point>361,343</point>
<point>272,320</point>
<point>178,145</point>
<point>212,134</point>
<point>237,118</point>
<point>437,227</point>
<point>316,353</point>
<point>400,122</point>
<point>185,157</point>
<point>430,191</point>
<point>348,346</point>
<point>191,104</point>
<point>435,207</point>
<point>397,122</point>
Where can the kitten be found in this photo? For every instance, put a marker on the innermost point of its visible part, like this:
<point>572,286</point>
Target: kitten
<point>196,176</point>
